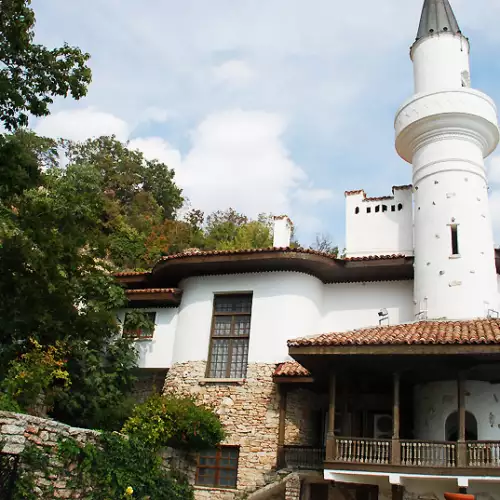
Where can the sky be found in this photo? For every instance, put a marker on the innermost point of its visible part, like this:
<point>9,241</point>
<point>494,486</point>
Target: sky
<point>275,106</point>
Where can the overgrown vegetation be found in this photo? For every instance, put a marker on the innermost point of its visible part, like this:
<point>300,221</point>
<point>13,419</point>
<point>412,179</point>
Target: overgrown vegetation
<point>174,421</point>
<point>118,467</point>
<point>114,466</point>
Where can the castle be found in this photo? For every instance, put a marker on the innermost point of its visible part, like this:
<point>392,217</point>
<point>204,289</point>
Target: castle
<point>372,376</point>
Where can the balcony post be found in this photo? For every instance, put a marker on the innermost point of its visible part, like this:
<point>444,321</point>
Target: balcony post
<point>461,444</point>
<point>330,435</point>
<point>282,425</point>
<point>396,442</point>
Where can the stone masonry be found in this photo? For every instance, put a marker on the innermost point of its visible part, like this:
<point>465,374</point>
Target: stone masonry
<point>18,431</point>
<point>248,409</point>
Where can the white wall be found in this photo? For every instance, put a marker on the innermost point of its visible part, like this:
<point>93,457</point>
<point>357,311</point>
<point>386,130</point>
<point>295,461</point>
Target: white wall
<point>157,352</point>
<point>435,401</point>
<point>379,233</point>
<point>285,305</point>
<point>347,306</point>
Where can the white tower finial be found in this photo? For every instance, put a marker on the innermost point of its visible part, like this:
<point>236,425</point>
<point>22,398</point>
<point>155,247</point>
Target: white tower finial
<point>446,130</point>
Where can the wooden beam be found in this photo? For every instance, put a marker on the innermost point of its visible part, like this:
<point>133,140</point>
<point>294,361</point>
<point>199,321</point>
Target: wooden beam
<point>293,380</point>
<point>330,436</point>
<point>385,350</point>
<point>461,445</point>
<point>396,443</point>
<point>283,391</point>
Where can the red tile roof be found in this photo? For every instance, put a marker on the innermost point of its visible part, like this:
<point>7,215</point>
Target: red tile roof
<point>480,331</point>
<point>132,273</point>
<point>152,290</point>
<point>209,253</point>
<point>291,369</point>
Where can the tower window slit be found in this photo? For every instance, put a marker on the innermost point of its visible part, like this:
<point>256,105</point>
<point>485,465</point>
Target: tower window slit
<point>454,239</point>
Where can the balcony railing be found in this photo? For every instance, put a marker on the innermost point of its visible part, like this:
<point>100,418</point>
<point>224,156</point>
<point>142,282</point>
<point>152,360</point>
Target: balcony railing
<point>428,453</point>
<point>483,454</point>
<point>301,457</point>
<point>363,450</point>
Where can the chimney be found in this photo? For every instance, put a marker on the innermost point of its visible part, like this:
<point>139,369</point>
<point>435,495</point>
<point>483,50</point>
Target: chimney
<point>283,227</point>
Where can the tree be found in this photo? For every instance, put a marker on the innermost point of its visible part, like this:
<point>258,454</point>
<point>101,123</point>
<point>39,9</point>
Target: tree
<point>57,288</point>
<point>324,244</point>
<point>230,230</point>
<point>30,74</point>
<point>140,198</point>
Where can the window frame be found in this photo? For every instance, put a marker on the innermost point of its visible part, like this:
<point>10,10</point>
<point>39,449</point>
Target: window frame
<point>217,467</point>
<point>230,338</point>
<point>135,337</point>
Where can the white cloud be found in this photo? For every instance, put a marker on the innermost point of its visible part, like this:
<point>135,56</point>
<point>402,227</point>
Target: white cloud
<point>238,159</point>
<point>234,73</point>
<point>312,195</point>
<point>156,148</point>
<point>80,124</point>
<point>155,114</point>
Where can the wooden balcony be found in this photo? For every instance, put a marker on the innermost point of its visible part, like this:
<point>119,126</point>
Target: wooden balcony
<point>472,458</point>
<point>301,457</point>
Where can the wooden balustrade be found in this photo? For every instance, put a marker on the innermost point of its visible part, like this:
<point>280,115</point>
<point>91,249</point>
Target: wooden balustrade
<point>301,457</point>
<point>363,450</point>
<point>428,453</point>
<point>483,453</point>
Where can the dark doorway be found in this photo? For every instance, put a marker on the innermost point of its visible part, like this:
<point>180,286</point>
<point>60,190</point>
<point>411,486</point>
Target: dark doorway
<point>319,491</point>
<point>451,427</point>
<point>358,491</point>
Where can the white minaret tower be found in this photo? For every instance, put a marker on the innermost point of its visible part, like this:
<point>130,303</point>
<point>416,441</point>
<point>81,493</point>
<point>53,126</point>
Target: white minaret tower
<point>445,131</point>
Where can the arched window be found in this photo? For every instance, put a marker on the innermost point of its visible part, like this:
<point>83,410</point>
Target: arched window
<point>451,427</point>
<point>393,208</point>
<point>368,210</point>
<point>400,207</point>
<point>384,208</point>
<point>356,210</point>
<point>377,208</point>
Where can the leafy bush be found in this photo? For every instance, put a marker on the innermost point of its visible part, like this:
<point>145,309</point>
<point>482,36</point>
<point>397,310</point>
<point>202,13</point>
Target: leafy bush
<point>35,378</point>
<point>175,421</point>
<point>120,467</point>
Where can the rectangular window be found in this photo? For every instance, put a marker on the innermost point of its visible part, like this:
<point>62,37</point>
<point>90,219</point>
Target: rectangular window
<point>139,325</point>
<point>454,239</point>
<point>218,468</point>
<point>230,336</point>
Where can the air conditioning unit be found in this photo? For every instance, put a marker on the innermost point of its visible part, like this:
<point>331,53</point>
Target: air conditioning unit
<point>382,426</point>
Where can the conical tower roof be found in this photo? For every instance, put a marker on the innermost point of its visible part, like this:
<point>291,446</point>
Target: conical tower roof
<point>437,17</point>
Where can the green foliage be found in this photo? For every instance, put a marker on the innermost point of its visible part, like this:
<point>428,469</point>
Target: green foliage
<point>30,74</point>
<point>138,320</point>
<point>175,421</point>
<point>58,288</point>
<point>118,467</point>
<point>32,459</point>
<point>324,244</point>
<point>36,376</point>
<point>230,230</point>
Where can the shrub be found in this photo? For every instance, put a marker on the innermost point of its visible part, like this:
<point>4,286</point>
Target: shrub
<point>175,421</point>
<point>120,467</point>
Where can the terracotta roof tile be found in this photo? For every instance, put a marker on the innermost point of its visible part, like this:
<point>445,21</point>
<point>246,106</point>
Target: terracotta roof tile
<point>152,290</point>
<point>132,273</point>
<point>480,331</point>
<point>291,369</point>
<point>209,253</point>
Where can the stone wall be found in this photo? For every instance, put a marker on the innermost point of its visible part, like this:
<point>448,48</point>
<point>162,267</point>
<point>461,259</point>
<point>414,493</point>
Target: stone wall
<point>304,410</point>
<point>249,411</point>
<point>17,431</point>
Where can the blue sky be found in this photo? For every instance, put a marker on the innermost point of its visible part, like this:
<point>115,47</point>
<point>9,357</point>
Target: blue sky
<point>263,105</point>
